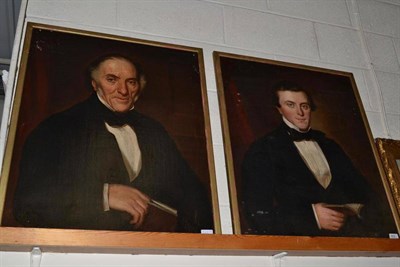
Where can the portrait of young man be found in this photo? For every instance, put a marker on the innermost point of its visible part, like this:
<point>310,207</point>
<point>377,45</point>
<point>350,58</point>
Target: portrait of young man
<point>102,160</point>
<point>299,182</point>
<point>303,163</point>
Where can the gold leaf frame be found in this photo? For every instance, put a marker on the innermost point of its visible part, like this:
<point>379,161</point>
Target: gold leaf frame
<point>389,152</point>
<point>44,46</point>
<point>243,84</point>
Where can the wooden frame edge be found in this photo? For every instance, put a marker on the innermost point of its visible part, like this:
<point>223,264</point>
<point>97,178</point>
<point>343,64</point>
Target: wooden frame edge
<point>89,241</point>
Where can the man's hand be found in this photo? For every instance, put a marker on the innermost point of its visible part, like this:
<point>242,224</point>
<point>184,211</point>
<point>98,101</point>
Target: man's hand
<point>128,199</point>
<point>329,219</point>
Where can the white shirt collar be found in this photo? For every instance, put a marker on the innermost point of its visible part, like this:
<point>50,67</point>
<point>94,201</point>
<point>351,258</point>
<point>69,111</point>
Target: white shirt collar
<point>291,125</point>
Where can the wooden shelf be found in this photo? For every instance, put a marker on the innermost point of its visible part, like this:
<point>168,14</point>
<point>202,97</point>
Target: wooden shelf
<point>89,241</point>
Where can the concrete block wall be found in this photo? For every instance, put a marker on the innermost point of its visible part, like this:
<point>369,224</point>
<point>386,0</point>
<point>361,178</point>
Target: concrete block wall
<point>357,36</point>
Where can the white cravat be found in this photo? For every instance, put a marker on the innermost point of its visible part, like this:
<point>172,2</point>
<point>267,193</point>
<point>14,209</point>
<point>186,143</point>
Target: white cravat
<point>315,160</point>
<point>130,150</point>
<point>313,157</point>
<point>128,144</point>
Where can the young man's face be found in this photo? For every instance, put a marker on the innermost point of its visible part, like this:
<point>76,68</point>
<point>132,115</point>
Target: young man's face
<point>116,82</point>
<point>294,106</point>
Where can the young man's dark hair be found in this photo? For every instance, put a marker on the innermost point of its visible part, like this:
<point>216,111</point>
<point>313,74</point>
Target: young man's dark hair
<point>293,87</point>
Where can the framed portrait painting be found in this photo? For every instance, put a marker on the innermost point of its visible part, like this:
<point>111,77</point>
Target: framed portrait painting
<point>300,156</point>
<point>389,152</point>
<point>108,133</point>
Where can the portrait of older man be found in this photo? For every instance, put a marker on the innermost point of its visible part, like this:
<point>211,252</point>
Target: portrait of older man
<point>101,164</point>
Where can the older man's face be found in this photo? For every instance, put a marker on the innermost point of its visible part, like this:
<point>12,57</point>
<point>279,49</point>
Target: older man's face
<point>294,106</point>
<point>116,82</point>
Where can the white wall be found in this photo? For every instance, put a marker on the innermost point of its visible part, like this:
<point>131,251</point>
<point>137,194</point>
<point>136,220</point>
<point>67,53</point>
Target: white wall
<point>358,36</point>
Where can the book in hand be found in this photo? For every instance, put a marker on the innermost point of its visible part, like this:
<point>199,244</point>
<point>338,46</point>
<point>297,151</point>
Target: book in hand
<point>159,218</point>
<point>349,209</point>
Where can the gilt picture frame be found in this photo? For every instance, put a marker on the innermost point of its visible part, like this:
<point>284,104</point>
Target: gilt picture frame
<point>249,112</point>
<point>52,79</point>
<point>389,152</point>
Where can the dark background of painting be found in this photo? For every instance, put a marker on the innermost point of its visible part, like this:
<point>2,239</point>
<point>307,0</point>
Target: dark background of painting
<point>251,114</point>
<point>55,81</point>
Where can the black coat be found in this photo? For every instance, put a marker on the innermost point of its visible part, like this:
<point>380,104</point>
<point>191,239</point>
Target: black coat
<point>68,158</point>
<point>279,189</point>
